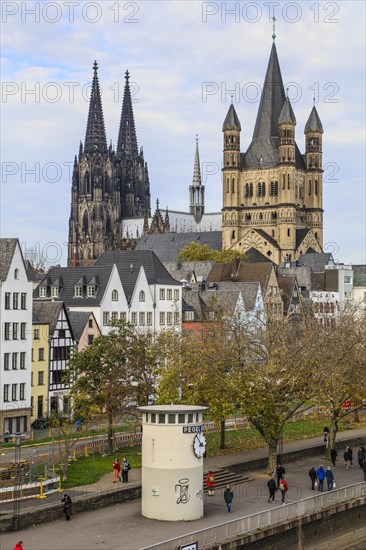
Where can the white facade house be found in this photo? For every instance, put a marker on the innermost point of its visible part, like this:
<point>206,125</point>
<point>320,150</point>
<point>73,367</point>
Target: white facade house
<point>130,286</point>
<point>16,339</point>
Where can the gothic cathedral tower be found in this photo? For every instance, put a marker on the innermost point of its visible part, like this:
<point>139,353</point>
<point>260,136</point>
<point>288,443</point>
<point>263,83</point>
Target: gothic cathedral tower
<point>107,186</point>
<point>272,194</point>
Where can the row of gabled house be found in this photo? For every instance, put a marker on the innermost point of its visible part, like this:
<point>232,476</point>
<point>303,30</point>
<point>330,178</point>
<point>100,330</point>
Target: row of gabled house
<point>44,318</point>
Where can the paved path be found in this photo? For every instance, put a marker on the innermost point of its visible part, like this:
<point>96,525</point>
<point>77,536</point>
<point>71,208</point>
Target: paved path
<point>121,526</point>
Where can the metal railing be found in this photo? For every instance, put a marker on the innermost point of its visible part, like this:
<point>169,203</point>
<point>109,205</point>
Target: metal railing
<point>230,529</point>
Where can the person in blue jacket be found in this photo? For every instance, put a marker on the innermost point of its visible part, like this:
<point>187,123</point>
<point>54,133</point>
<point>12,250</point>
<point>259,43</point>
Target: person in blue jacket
<point>320,473</point>
<point>330,478</point>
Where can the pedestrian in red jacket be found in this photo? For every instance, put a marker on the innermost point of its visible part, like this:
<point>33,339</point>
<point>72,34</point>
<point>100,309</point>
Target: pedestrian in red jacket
<point>19,545</point>
<point>116,470</point>
<point>283,488</point>
<point>210,482</point>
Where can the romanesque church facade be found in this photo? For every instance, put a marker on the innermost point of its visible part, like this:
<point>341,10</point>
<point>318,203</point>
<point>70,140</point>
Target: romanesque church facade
<point>273,194</point>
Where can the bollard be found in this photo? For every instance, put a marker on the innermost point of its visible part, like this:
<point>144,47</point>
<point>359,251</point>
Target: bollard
<point>86,450</point>
<point>32,435</point>
<point>59,490</point>
<point>74,456</point>
<point>41,495</point>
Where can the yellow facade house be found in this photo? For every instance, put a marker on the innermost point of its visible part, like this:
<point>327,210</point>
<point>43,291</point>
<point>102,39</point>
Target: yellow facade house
<point>40,369</point>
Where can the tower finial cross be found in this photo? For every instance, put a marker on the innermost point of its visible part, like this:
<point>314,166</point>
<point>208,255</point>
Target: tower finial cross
<point>273,26</point>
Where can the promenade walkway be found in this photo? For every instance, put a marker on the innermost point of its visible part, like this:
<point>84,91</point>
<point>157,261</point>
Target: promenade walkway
<point>121,526</point>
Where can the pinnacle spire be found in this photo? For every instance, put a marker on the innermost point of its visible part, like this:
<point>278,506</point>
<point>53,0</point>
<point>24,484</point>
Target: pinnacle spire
<point>197,170</point>
<point>231,121</point>
<point>313,123</point>
<point>95,137</point>
<point>272,100</point>
<point>127,142</point>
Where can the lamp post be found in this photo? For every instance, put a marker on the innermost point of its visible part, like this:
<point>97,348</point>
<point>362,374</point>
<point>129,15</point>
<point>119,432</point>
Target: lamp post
<point>17,484</point>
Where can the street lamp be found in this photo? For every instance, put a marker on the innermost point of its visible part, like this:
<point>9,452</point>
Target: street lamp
<point>17,484</point>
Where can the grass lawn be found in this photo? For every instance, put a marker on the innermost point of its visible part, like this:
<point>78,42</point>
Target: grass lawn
<point>90,469</point>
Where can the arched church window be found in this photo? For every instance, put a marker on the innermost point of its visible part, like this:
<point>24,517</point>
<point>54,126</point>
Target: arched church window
<point>233,185</point>
<point>288,181</point>
<point>227,185</point>
<point>85,222</point>
<point>115,295</point>
<point>87,183</point>
<point>316,187</point>
<point>283,181</point>
<point>309,187</point>
<point>288,232</point>
<point>142,296</point>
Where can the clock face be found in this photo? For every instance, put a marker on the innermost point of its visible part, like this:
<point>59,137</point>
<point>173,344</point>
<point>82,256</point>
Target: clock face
<point>199,445</point>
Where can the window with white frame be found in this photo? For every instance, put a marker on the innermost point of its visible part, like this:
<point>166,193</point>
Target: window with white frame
<point>142,318</point>
<point>54,291</point>
<point>6,392</point>
<point>78,291</point>
<point>142,296</point>
<point>42,292</point>
<point>176,294</point>
<point>134,318</point>
<point>169,318</point>
<point>36,334</point>
<point>123,316</point>
<point>14,392</point>
<point>149,318</point>
<point>14,361</point>
<point>23,331</point>
<point>162,294</point>
<point>6,331</point>
<point>7,300</point>
<point>169,294</point>
<point>23,300</point>
<point>114,295</point>
<point>15,300</point>
<point>114,315</point>
<point>189,315</point>
<point>22,360</point>
<point>176,318</point>
<point>22,391</point>
<point>15,331</point>
<point>162,318</point>
<point>90,291</point>
<point>6,361</point>
<point>40,378</point>
<point>105,318</point>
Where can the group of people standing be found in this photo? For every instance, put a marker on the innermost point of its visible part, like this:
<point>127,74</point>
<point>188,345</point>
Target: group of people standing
<point>319,476</point>
<point>278,483</point>
<point>117,467</point>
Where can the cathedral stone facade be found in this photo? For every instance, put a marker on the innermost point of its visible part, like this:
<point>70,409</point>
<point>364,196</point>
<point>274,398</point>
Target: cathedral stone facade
<point>273,194</point>
<point>108,185</point>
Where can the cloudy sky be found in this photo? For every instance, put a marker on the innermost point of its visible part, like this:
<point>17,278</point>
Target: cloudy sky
<point>186,58</point>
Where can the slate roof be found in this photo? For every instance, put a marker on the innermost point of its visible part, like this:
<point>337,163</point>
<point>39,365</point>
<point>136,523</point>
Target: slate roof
<point>286,285</point>
<point>264,144</point>
<point>316,260</point>
<point>245,272</point>
<point>231,121</point>
<point>124,259</point>
<point>69,277</point>
<point>313,123</point>
<point>78,321</point>
<point>300,236</point>
<point>287,116</point>
<point>167,246</point>
<point>47,312</point>
<point>187,270</point>
<point>225,296</point>
<point>7,249</point>
<point>254,255</point>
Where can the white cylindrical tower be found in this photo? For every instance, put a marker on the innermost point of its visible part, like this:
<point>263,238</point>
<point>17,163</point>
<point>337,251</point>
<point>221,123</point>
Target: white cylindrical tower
<point>173,445</point>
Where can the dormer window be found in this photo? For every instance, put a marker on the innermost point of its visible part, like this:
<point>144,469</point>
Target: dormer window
<point>90,291</point>
<point>78,291</point>
<point>42,292</point>
<point>115,295</point>
<point>54,291</point>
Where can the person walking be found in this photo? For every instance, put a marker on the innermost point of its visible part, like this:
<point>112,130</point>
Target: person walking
<point>330,478</point>
<point>313,477</point>
<point>326,434</point>
<point>283,488</point>
<point>333,456</point>
<point>210,482</point>
<point>361,456</point>
<point>19,545</point>
<point>67,509</point>
<point>320,473</point>
<point>351,456</point>
<point>364,470</point>
<point>272,488</point>
<point>116,470</point>
<point>347,458</point>
<point>280,472</point>
<point>228,497</point>
<point>125,468</point>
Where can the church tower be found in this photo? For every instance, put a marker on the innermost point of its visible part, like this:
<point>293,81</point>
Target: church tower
<point>197,190</point>
<point>272,194</point>
<point>108,186</point>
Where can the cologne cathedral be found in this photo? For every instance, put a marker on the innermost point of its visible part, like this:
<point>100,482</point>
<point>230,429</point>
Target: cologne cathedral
<point>107,185</point>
